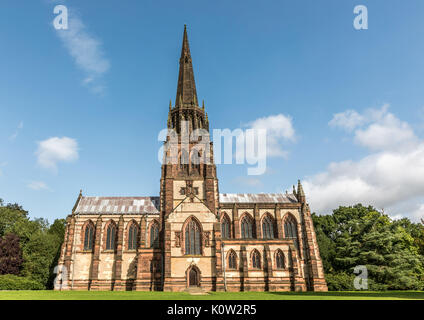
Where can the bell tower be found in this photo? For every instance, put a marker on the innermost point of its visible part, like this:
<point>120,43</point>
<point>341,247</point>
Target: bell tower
<point>189,184</point>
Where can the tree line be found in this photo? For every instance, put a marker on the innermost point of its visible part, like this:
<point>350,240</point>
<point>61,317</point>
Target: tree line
<point>29,249</point>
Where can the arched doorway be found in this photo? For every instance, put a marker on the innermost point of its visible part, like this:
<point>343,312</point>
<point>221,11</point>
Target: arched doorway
<point>193,277</point>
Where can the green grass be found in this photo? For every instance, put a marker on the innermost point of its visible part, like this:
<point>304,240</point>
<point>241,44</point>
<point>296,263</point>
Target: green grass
<point>140,295</point>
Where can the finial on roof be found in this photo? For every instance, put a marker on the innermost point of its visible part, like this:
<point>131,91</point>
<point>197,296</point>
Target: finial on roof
<point>80,193</point>
<point>294,190</point>
<point>203,104</point>
<point>170,104</point>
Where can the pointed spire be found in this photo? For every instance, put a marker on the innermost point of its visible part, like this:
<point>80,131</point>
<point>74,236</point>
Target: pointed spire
<point>170,104</point>
<point>203,104</point>
<point>186,88</point>
<point>294,190</point>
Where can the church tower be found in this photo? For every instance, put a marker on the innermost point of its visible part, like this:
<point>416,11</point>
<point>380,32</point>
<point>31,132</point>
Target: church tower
<point>189,196</point>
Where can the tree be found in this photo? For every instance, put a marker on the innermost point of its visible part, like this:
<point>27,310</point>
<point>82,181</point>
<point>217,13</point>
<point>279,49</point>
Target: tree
<point>10,254</point>
<point>10,215</point>
<point>358,235</point>
<point>38,242</point>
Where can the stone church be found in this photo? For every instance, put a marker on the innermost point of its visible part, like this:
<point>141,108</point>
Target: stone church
<point>192,235</point>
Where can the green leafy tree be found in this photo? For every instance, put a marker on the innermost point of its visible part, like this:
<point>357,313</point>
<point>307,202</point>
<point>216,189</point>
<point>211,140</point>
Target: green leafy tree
<point>10,254</point>
<point>39,242</point>
<point>360,235</point>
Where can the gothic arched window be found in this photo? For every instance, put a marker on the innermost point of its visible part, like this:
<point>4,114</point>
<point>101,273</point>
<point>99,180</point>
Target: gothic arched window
<point>268,228</point>
<point>225,228</point>
<point>279,260</point>
<point>246,228</point>
<point>110,237</point>
<point>232,260</point>
<point>132,236</point>
<point>192,238</point>
<point>195,161</point>
<point>154,235</point>
<point>184,161</point>
<point>256,260</point>
<point>290,229</point>
<point>88,237</point>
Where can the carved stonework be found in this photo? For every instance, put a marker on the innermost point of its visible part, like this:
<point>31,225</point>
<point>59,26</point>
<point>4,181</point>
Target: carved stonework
<point>177,239</point>
<point>189,190</point>
<point>206,238</point>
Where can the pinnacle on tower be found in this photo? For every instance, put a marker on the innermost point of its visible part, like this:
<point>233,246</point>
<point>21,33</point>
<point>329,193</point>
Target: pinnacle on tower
<point>300,189</point>
<point>300,193</point>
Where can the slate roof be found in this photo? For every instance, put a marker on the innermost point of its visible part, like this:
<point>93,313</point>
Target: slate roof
<point>118,205</point>
<point>257,198</point>
<point>150,205</point>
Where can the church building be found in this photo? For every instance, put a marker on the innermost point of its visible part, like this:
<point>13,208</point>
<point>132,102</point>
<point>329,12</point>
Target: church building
<point>192,236</point>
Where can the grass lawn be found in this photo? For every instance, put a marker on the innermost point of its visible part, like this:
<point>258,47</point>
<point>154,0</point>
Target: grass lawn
<point>140,295</point>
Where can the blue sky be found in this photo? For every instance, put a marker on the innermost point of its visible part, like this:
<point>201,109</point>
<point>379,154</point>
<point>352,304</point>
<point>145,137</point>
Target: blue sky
<point>85,112</point>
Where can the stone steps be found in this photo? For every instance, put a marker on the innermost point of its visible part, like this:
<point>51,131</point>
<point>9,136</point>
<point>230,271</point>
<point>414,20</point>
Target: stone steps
<point>197,291</point>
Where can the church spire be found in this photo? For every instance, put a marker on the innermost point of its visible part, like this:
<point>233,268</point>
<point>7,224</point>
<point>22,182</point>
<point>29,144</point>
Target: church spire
<point>186,88</point>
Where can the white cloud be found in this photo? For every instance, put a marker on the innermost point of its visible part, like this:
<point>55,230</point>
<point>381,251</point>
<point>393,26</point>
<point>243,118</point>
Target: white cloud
<point>376,129</point>
<point>18,129</point>
<point>388,132</point>
<point>38,185</point>
<point>348,120</point>
<point>54,150</point>
<point>279,130</point>
<point>390,177</point>
<point>86,50</point>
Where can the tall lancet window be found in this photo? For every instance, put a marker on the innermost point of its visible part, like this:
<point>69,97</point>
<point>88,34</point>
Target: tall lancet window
<point>256,260</point>
<point>154,235</point>
<point>290,229</point>
<point>110,237</point>
<point>279,259</point>
<point>88,237</point>
<point>132,237</point>
<point>268,228</point>
<point>195,161</point>
<point>246,228</point>
<point>192,238</point>
<point>184,162</point>
<point>232,260</point>
<point>225,228</point>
